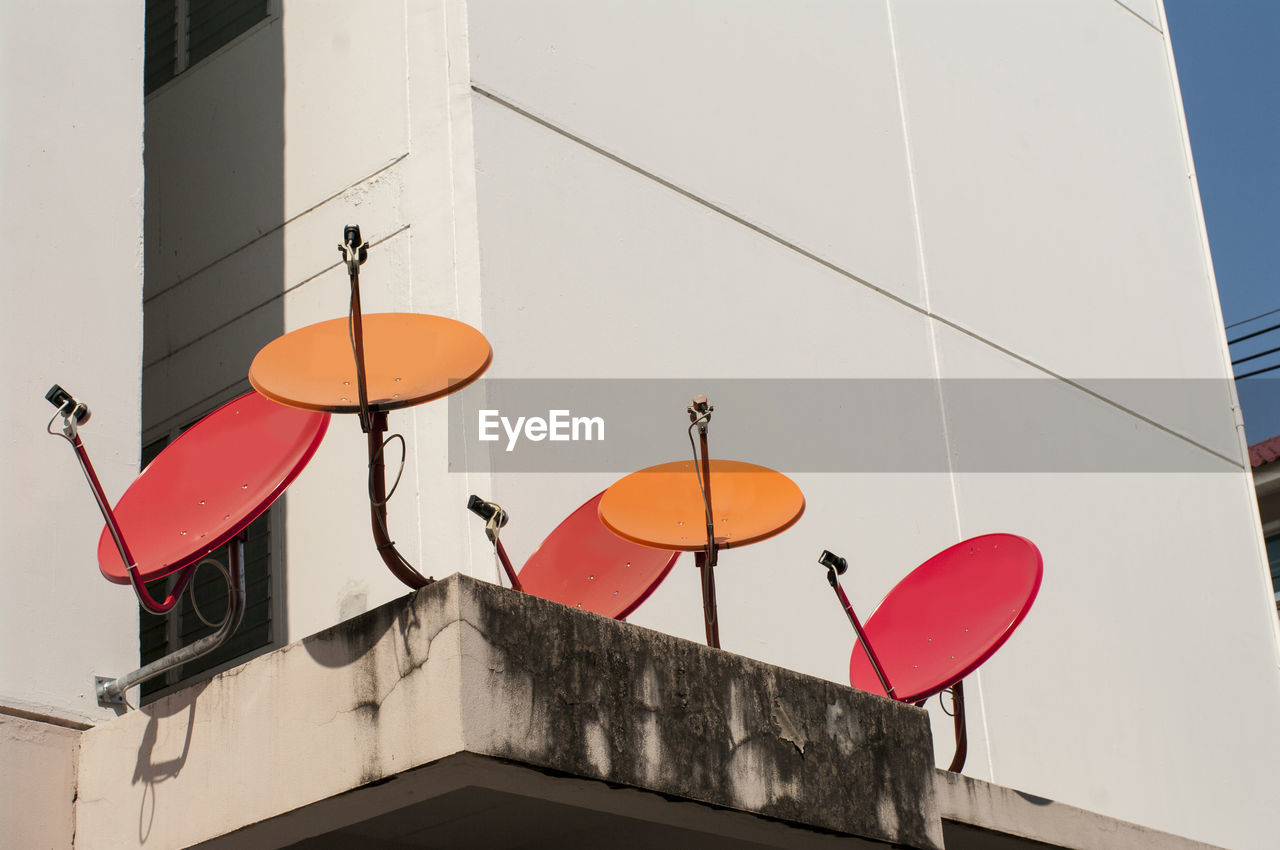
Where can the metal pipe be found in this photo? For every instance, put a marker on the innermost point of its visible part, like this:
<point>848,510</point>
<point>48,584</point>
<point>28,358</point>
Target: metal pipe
<point>699,417</point>
<point>706,560</point>
<point>354,252</point>
<point>145,599</point>
<point>709,617</point>
<point>962,734</point>
<point>391,556</point>
<point>111,691</point>
<point>862,635</point>
<point>373,423</point>
<point>506,564</point>
<point>494,519</point>
<point>706,492</point>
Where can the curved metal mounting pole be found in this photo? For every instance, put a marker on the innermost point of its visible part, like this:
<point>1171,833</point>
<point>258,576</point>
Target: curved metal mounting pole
<point>354,252</point>
<point>73,414</point>
<point>706,559</point>
<point>400,568</point>
<point>111,691</point>
<point>962,733</point>
<point>373,423</point>
<point>495,517</point>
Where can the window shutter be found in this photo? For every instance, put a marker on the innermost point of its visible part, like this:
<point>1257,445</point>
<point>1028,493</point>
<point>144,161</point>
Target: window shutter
<point>160,635</point>
<point>160,38</point>
<point>209,24</point>
<point>212,23</point>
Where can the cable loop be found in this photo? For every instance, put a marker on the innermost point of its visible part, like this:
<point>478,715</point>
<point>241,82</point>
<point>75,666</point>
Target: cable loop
<point>226,575</point>
<point>68,428</point>
<point>396,483</point>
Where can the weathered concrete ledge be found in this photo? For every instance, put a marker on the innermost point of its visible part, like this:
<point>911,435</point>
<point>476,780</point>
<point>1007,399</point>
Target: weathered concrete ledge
<point>464,667</point>
<point>500,719</point>
<point>38,782</point>
<point>974,812</point>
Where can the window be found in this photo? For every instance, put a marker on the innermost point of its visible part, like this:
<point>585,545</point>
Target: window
<point>1273,557</point>
<point>179,33</point>
<point>158,635</point>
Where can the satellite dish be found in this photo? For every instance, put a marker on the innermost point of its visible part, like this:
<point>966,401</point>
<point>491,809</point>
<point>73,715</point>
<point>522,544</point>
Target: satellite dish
<point>949,615</point>
<point>370,365</point>
<point>943,621</point>
<point>409,359</point>
<point>664,506</point>
<point>584,565</point>
<point>209,484</point>
<point>199,494</point>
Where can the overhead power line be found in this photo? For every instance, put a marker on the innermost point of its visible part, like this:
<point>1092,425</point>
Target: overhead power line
<point>1257,372</point>
<point>1251,318</point>
<point>1256,356</point>
<point>1252,335</point>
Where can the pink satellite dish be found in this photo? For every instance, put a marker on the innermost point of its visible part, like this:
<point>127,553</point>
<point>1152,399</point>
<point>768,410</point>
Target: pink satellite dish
<point>209,484</point>
<point>199,494</point>
<point>583,564</point>
<point>943,621</point>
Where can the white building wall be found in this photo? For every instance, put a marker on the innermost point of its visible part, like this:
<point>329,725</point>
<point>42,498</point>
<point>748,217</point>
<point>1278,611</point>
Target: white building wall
<point>914,189</point>
<point>671,190</point>
<point>71,190</point>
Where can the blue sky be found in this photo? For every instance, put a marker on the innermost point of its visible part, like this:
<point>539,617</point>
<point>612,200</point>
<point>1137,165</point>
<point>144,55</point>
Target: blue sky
<point>1228,58</point>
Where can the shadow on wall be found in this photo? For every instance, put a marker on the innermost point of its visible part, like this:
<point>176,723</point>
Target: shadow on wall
<point>213,254</point>
<point>214,212</point>
<point>147,770</point>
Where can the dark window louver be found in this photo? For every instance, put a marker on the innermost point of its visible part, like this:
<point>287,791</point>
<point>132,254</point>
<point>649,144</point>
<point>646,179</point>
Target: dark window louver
<point>1273,556</point>
<point>160,37</point>
<point>209,25</point>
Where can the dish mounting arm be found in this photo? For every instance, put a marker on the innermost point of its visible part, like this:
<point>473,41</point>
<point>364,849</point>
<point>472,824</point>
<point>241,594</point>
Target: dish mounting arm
<point>110,692</point>
<point>495,517</point>
<point>705,559</point>
<point>835,566</point>
<point>373,423</point>
<point>74,414</point>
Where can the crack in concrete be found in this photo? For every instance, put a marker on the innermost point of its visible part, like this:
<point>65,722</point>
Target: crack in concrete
<point>365,662</point>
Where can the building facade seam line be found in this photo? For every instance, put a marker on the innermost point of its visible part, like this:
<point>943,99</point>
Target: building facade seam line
<point>256,307</point>
<point>791,246</point>
<point>935,353</point>
<point>183,281</point>
<point>1128,9</point>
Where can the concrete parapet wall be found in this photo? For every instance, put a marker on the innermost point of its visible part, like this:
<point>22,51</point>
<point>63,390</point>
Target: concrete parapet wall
<point>596,698</point>
<point>463,666</point>
<point>469,698</point>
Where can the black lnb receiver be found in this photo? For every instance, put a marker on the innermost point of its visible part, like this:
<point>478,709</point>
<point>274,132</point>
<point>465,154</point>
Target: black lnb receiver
<point>352,239</point>
<point>486,510</point>
<point>62,400</point>
<point>834,563</point>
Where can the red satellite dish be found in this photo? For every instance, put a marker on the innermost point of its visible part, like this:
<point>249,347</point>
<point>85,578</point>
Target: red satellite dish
<point>207,486</point>
<point>942,621</point>
<point>949,615</point>
<point>585,565</point>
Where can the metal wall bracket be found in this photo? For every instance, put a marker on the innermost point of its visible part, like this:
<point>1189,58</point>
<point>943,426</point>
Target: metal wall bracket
<point>111,691</point>
<point>105,699</point>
